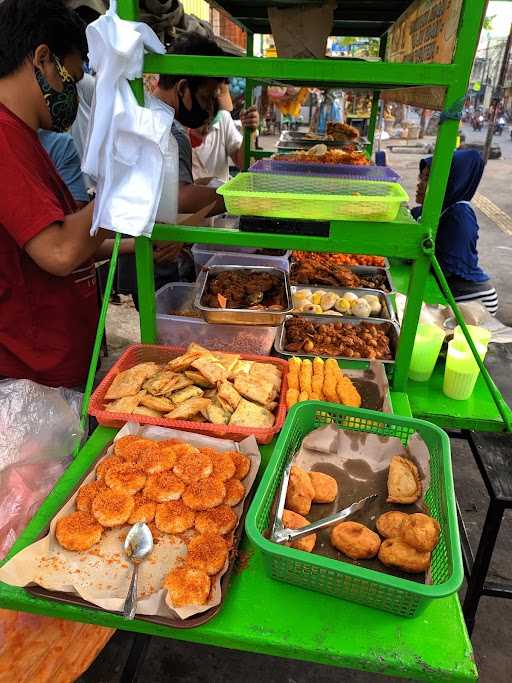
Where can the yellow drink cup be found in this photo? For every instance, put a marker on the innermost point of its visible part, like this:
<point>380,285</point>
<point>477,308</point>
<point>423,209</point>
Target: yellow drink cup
<point>461,371</point>
<point>479,335</point>
<point>427,344</point>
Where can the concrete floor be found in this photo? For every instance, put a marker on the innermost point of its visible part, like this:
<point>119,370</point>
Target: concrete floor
<point>168,660</point>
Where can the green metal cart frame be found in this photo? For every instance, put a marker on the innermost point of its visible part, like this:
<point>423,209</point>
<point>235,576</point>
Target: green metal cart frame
<point>259,614</point>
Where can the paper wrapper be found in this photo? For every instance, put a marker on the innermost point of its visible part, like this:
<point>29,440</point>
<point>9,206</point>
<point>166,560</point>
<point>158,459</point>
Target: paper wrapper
<point>359,462</point>
<point>102,574</point>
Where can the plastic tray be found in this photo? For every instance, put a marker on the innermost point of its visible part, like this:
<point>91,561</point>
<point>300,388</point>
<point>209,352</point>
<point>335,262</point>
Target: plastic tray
<point>140,353</point>
<point>316,197</point>
<point>349,171</point>
<point>181,330</point>
<point>211,255</point>
<point>343,580</point>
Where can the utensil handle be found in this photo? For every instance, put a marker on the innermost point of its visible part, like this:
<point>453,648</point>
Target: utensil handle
<point>130,604</point>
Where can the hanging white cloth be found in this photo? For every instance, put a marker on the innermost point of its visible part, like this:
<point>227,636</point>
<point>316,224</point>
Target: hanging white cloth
<point>124,151</point>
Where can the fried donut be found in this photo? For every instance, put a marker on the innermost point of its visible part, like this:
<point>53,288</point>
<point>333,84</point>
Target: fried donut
<point>355,540</point>
<point>292,520</point>
<point>144,509</point>
<point>220,520</point>
<point>300,492</point>
<point>126,477</point>
<point>394,552</point>
<point>174,517</point>
<point>207,552</point>
<point>163,487</point>
<point>78,531</point>
<point>106,463</point>
<point>192,466</point>
<point>112,508</point>
<point>87,493</point>
<point>121,445</point>
<point>235,491</point>
<point>420,531</point>
<point>187,586</point>
<point>223,465</point>
<point>325,487</point>
<point>388,525</point>
<point>204,494</point>
<point>242,464</point>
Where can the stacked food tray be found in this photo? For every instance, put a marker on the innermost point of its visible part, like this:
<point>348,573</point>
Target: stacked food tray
<point>349,171</point>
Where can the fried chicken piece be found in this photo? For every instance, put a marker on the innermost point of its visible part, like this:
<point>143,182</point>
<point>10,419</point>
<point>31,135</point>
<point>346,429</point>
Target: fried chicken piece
<point>355,540</point>
<point>394,552</point>
<point>291,520</point>
<point>389,523</point>
<point>404,485</point>
<point>325,487</point>
<point>300,491</point>
<point>78,531</point>
<point>420,532</point>
<point>187,586</point>
<point>207,552</point>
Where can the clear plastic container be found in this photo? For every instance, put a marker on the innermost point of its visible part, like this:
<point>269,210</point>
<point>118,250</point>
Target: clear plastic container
<point>461,371</point>
<point>427,344</point>
<point>241,259</point>
<point>180,330</point>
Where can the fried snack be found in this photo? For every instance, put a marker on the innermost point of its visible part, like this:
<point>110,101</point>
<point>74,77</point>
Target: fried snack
<point>388,524</point>
<point>223,465</point>
<point>127,404</point>
<point>174,517</point>
<point>136,452</point>
<point>303,396</point>
<point>142,410</point>
<point>210,368</point>
<point>129,382</point>
<point>204,494</point>
<point>187,586</point>
<point>420,532</point>
<point>404,484</point>
<point>235,491</point>
<point>188,408</point>
<point>121,444</point>
<point>355,540</point>
<point>249,414</point>
<point>325,487</point>
<point>293,374</point>
<point>163,487</point>
<point>331,374</point>
<point>216,414</point>
<point>159,460</point>
<point>228,393</point>
<point>317,381</point>
<point>291,520</point>
<point>158,403</point>
<point>394,552</point>
<point>183,362</point>
<point>78,531</point>
<point>193,466</point>
<point>126,477</point>
<point>197,378</point>
<point>112,508</point>
<point>242,464</point>
<point>347,393</point>
<point>106,464</point>
<point>87,493</point>
<point>292,396</point>
<point>254,389</point>
<point>220,520</point>
<point>143,511</point>
<point>184,395</point>
<point>207,552</point>
<point>305,375</point>
<point>300,492</point>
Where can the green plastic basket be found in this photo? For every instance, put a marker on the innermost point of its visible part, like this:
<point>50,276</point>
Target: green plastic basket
<point>341,579</point>
<point>312,197</point>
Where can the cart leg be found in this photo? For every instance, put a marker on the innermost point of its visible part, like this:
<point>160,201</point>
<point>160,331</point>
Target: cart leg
<point>135,658</point>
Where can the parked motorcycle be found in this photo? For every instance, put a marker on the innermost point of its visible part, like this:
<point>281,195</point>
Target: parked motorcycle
<point>478,123</point>
<point>499,126</point>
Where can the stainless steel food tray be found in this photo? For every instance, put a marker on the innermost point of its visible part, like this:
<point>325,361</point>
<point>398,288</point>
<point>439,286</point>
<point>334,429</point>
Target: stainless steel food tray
<point>372,270</point>
<point>387,312</point>
<point>391,328</point>
<point>242,316</point>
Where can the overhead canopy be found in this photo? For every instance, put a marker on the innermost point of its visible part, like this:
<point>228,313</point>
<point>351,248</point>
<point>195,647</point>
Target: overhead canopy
<point>351,17</point>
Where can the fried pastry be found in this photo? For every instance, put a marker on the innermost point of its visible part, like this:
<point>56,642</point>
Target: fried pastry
<point>158,403</point>
<point>144,509</point>
<point>300,492</point>
<point>129,382</point>
<point>242,464</point>
<point>394,552</point>
<point>204,494</point>
<point>331,375</point>
<point>187,586</point>
<point>254,389</point>
<point>267,372</point>
<point>163,487</point>
<point>249,414</point>
<point>193,466</point>
<point>112,508</point>
<point>291,520</point>
<point>185,394</point>
<point>227,360</point>
<point>404,484</point>
<point>207,552</point>
<point>148,412</point>
<point>228,394</point>
<point>420,532</point>
<point>235,491</point>
<point>125,477</point>
<point>210,368</point>
<point>188,408</point>
<point>127,404</point>
<point>388,524</point>
<point>223,465</point>
<point>216,414</point>
<point>292,396</point>
<point>220,520</point>
<point>183,362</point>
<point>197,378</point>
<point>87,493</point>
<point>325,487</point>
<point>78,531</point>
<point>174,517</point>
<point>355,540</point>
<point>347,393</point>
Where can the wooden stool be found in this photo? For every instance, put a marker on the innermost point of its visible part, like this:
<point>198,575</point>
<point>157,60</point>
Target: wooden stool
<point>493,455</point>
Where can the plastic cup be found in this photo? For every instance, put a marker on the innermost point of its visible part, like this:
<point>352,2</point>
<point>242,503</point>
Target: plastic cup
<point>480,335</point>
<point>427,344</point>
<point>461,371</point>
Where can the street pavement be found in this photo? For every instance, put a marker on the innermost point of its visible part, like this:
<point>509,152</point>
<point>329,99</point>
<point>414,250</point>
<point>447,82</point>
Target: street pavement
<point>169,660</point>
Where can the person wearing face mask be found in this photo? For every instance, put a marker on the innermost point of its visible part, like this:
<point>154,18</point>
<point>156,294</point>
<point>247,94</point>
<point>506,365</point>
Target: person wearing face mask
<point>48,301</point>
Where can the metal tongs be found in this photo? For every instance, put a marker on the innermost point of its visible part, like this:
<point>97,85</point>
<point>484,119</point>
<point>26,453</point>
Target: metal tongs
<point>281,534</point>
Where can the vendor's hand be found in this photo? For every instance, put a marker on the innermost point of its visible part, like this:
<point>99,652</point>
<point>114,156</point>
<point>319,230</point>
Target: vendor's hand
<point>250,118</point>
<point>167,253</point>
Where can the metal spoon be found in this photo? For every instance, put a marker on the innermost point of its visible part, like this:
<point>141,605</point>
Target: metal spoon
<point>137,546</point>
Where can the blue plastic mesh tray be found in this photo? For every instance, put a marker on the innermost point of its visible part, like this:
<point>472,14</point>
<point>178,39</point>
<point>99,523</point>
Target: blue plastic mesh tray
<point>334,170</point>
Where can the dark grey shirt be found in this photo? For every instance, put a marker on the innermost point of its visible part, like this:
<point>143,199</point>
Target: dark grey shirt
<point>184,151</point>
